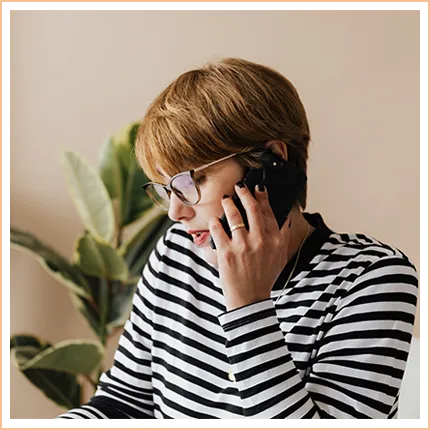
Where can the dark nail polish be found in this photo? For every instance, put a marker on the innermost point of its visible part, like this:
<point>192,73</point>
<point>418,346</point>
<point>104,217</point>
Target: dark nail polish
<point>260,187</point>
<point>240,184</point>
<point>225,196</point>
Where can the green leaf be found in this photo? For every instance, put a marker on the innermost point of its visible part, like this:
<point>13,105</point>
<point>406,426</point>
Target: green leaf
<point>25,353</point>
<point>26,340</point>
<point>55,264</point>
<point>99,259</point>
<point>71,356</point>
<point>61,387</point>
<point>125,156</point>
<point>110,170</point>
<point>90,197</point>
<point>122,176</point>
<point>88,311</point>
<point>146,224</point>
<point>133,133</point>
<point>136,199</point>
<point>121,304</point>
<point>122,136</point>
<point>137,255</point>
<point>121,293</point>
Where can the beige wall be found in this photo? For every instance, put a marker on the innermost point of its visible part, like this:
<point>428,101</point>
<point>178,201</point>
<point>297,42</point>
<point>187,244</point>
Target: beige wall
<point>78,76</point>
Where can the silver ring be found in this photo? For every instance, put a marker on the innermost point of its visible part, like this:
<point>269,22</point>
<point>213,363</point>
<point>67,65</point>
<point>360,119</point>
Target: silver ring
<point>234,227</point>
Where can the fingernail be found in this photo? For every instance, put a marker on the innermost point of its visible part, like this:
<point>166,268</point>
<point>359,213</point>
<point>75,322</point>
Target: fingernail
<point>225,196</point>
<point>261,187</point>
<point>240,184</point>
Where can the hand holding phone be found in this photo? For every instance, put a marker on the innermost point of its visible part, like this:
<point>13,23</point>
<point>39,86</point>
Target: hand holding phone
<point>284,182</point>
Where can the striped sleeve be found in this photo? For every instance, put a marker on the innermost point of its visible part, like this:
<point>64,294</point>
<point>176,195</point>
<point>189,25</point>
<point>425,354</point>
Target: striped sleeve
<point>359,362</point>
<point>125,390</point>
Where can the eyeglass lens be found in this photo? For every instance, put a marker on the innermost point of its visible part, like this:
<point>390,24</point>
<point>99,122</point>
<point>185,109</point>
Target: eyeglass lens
<point>184,187</point>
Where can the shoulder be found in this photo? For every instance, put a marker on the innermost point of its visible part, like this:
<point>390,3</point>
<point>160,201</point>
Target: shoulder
<point>364,248</point>
<point>373,267</point>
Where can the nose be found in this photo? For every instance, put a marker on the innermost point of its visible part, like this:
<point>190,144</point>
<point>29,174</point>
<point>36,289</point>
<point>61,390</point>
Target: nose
<point>178,209</point>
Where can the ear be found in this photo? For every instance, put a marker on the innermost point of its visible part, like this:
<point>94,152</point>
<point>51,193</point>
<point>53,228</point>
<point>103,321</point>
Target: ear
<point>279,147</point>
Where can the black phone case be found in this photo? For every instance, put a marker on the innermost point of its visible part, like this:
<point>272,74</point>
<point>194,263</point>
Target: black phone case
<point>283,181</point>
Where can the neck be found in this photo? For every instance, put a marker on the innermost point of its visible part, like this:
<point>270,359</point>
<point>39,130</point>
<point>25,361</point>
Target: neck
<point>300,229</point>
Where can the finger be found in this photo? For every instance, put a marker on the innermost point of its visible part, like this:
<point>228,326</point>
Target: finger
<point>218,233</point>
<point>233,216</point>
<point>269,217</point>
<point>253,210</point>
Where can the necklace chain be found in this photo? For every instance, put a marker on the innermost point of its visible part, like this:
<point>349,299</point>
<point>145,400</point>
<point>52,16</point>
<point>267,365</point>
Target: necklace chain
<point>295,264</point>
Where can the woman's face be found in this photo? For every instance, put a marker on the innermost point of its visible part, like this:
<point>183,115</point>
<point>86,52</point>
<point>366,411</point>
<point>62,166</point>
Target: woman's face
<point>214,182</point>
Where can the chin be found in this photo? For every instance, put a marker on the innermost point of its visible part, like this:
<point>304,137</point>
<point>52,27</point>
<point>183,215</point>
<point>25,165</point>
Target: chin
<point>211,255</point>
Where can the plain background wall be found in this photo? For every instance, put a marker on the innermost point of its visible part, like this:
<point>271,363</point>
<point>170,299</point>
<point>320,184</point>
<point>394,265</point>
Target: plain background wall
<point>77,76</point>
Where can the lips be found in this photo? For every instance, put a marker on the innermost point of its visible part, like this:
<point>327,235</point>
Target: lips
<point>201,237</point>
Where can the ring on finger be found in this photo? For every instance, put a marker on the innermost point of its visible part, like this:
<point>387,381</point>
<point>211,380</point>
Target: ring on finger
<point>235,227</point>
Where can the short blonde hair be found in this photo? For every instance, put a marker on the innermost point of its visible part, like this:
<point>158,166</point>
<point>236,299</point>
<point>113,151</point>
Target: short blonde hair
<point>224,107</point>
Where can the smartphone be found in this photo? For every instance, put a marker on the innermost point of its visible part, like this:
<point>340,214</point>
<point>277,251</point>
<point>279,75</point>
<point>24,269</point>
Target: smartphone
<point>283,180</point>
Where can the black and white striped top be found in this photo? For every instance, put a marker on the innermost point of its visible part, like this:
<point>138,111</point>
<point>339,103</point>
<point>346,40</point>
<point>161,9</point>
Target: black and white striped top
<point>334,346</point>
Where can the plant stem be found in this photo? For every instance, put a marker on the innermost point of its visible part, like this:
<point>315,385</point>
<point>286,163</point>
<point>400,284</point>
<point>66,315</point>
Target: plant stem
<point>119,239</point>
<point>105,292</point>
<point>105,303</point>
<point>91,381</point>
<point>118,329</point>
<point>100,372</point>
<point>93,303</point>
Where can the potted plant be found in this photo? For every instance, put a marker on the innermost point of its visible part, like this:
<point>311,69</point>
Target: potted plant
<point>121,228</point>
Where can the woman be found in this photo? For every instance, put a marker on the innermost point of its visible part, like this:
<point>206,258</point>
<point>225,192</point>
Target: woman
<point>297,322</point>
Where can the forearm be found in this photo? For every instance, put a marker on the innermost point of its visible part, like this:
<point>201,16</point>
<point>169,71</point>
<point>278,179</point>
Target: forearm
<point>344,378</point>
<point>266,376</point>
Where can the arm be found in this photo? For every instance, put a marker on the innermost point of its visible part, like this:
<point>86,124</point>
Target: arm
<point>361,357</point>
<point>125,390</point>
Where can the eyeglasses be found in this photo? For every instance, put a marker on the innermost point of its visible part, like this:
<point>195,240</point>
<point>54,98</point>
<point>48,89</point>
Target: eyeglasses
<point>183,185</point>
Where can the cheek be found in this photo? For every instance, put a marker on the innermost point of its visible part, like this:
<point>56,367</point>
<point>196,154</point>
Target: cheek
<point>212,198</point>
<point>206,210</point>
